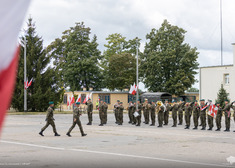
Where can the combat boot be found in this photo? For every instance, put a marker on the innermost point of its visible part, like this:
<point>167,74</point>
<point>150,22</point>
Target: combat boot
<point>217,129</point>
<point>203,128</point>
<point>41,133</point>
<point>210,129</point>
<point>195,128</point>
<point>68,134</point>
<point>84,134</point>
<point>101,125</point>
<point>56,134</point>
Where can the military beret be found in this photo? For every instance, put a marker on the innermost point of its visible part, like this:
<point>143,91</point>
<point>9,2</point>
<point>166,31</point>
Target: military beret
<point>195,101</point>
<point>51,102</point>
<point>121,103</point>
<point>217,103</point>
<point>209,100</point>
<point>188,101</point>
<point>202,100</point>
<point>89,99</point>
<point>78,103</point>
<point>118,100</point>
<point>226,100</point>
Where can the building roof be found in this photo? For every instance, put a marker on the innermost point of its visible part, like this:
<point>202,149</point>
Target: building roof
<point>216,66</point>
<point>103,92</point>
<point>155,93</point>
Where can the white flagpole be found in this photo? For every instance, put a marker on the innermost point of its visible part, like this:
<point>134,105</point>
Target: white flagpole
<point>25,89</point>
<point>137,74</point>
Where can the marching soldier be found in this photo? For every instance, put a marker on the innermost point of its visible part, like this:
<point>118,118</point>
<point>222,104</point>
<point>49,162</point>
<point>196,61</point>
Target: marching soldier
<point>219,115</point>
<point>203,108</point>
<point>227,114</point>
<point>146,107</point>
<point>160,116</point>
<point>120,114</point>
<point>49,120</point>
<point>181,105</point>
<point>89,111</point>
<point>101,113</point>
<point>76,120</point>
<point>153,115</point>
<point>116,106</point>
<point>233,107</point>
<point>138,117</point>
<point>188,113</point>
<point>196,114</point>
<point>174,109</point>
<point>210,119</point>
<point>130,112</point>
<point>105,113</point>
<point>166,114</point>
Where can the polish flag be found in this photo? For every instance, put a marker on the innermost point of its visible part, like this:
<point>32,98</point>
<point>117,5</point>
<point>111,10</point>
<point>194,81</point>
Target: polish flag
<point>69,101</point>
<point>213,110</point>
<point>88,96</point>
<point>133,89</point>
<point>12,17</point>
<point>72,100</point>
<point>79,98</point>
<point>27,84</point>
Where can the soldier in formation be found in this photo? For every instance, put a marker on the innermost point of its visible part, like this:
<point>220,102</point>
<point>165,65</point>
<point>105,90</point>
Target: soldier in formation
<point>89,111</point>
<point>188,113</point>
<point>153,113</point>
<point>146,108</point>
<point>174,109</point>
<point>102,113</point>
<point>196,114</point>
<point>166,114</point>
<point>131,112</point>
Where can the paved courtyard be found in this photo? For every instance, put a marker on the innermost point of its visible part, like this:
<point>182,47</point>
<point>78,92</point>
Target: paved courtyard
<point>125,146</point>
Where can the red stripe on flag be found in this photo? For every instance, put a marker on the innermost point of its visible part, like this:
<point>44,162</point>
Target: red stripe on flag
<point>7,83</point>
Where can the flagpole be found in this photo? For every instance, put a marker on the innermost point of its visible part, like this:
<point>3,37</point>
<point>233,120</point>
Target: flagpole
<point>137,75</point>
<point>25,90</point>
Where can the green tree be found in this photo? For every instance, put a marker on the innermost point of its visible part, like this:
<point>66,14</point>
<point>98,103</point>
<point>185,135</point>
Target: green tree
<point>77,58</point>
<point>222,95</point>
<point>168,64</point>
<point>121,71</point>
<point>46,85</point>
<point>193,90</point>
<point>119,61</point>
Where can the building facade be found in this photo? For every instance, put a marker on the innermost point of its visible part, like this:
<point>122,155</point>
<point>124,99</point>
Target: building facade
<point>212,77</point>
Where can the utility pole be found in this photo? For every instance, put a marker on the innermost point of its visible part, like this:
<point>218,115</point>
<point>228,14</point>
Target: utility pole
<point>137,74</point>
<point>221,34</point>
<point>25,90</point>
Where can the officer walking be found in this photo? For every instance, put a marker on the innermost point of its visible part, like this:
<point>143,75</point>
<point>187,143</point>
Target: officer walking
<point>89,111</point>
<point>76,120</point>
<point>50,120</point>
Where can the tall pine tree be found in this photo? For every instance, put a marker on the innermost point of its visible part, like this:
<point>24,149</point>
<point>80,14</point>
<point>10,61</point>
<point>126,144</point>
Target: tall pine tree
<point>46,84</point>
<point>222,96</point>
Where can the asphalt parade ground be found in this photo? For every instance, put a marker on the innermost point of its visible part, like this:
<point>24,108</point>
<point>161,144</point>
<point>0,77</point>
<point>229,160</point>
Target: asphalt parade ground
<point>109,146</point>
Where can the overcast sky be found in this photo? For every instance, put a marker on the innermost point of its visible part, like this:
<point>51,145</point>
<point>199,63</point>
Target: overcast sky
<point>136,18</point>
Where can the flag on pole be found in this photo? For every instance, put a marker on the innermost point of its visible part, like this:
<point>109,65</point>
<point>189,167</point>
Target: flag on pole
<point>72,100</point>
<point>133,89</point>
<point>13,11</point>
<point>68,101</point>
<point>79,98</point>
<point>27,84</point>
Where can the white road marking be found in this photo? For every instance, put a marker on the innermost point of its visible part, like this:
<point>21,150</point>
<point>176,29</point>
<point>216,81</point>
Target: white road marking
<point>115,154</point>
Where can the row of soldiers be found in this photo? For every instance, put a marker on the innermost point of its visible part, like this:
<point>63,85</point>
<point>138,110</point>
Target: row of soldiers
<point>198,111</point>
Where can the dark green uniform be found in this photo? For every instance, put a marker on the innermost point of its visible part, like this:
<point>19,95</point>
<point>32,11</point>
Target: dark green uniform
<point>138,118</point>
<point>101,114</point>
<point>180,112</point>
<point>130,112</point>
<point>196,115</point>
<point>174,109</point>
<point>210,119</point>
<point>105,113</point>
<point>203,116</point>
<point>146,108</point>
<point>89,112</point>
<point>120,114</point>
<point>153,114</point>
<point>187,115</point>
<point>76,120</point>
<point>166,113</point>
<point>50,121</point>
<point>115,110</point>
<point>160,116</point>
<point>227,114</point>
<point>219,115</point>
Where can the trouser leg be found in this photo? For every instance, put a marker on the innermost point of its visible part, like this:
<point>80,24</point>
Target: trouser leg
<point>80,126</point>
<point>71,128</point>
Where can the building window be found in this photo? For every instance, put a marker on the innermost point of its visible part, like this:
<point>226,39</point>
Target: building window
<point>105,98</point>
<point>83,96</point>
<point>226,79</point>
<point>131,98</point>
<point>65,99</point>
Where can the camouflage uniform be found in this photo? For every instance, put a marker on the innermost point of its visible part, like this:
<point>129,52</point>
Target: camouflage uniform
<point>153,115</point>
<point>180,112</point>
<point>227,114</point>
<point>101,114</point>
<point>166,114</point>
<point>105,113</point>
<point>160,116</point>
<point>120,114</point>
<point>188,113</point>
<point>130,112</point>
<point>196,114</point>
<point>138,118</point>
<point>89,112</point>
<point>174,109</point>
<point>146,107</point>
<point>218,118</point>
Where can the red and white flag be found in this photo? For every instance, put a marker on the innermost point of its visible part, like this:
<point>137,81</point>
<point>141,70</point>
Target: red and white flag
<point>213,110</point>
<point>88,96</point>
<point>68,101</point>
<point>133,89</point>
<point>72,100</point>
<point>79,98</point>
<point>12,17</point>
<point>27,84</point>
